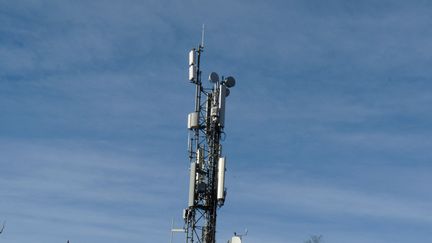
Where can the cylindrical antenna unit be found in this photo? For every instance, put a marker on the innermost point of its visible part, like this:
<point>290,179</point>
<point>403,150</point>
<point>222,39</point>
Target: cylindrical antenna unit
<point>222,96</point>
<point>221,180</point>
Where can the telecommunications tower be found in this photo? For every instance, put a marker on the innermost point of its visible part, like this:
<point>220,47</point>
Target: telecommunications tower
<point>207,164</point>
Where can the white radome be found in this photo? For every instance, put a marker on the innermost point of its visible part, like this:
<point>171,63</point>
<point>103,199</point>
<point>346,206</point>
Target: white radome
<point>235,239</point>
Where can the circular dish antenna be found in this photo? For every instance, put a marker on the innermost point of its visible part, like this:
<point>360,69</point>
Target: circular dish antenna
<point>227,92</point>
<point>213,77</point>
<point>230,82</point>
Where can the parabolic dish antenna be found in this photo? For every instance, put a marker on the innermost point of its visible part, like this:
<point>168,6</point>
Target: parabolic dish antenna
<point>213,77</point>
<point>230,82</point>
<point>227,92</point>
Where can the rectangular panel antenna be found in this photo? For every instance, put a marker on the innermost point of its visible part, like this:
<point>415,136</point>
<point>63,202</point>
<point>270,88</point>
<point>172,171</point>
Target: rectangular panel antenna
<point>192,183</point>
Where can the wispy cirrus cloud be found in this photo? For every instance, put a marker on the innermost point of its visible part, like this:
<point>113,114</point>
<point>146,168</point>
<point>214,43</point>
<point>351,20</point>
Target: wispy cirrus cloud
<point>307,204</point>
<point>95,191</point>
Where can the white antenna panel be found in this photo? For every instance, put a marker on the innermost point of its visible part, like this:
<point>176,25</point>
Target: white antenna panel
<point>192,73</point>
<point>184,213</point>
<point>221,179</point>
<point>193,120</point>
<point>192,182</point>
<point>192,56</point>
<point>200,159</point>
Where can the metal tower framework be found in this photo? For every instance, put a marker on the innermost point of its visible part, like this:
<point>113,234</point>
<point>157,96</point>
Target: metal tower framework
<point>207,165</point>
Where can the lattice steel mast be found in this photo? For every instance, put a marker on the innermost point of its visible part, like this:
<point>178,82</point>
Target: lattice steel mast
<point>207,164</point>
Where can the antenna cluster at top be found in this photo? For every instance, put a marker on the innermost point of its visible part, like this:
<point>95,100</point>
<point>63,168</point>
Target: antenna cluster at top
<point>213,77</point>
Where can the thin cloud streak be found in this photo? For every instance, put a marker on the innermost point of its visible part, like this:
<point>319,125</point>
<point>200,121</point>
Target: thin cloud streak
<point>336,201</point>
<point>92,188</point>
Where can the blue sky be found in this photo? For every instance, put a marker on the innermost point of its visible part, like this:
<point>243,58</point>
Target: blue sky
<point>328,127</point>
